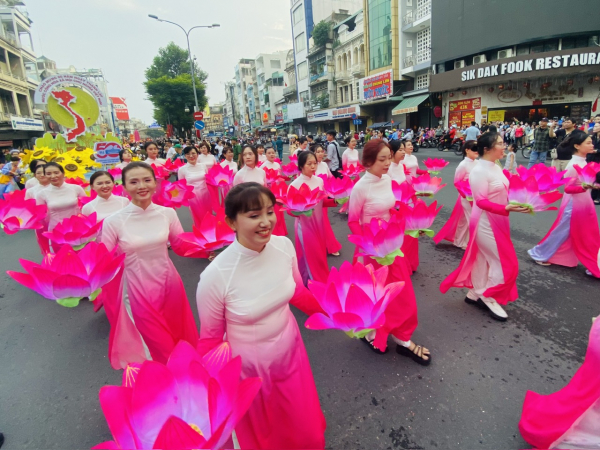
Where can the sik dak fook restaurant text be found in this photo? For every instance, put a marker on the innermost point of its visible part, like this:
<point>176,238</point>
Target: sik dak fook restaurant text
<point>525,88</point>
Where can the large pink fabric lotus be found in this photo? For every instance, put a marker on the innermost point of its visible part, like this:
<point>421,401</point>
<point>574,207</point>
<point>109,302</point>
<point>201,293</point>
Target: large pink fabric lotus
<point>354,299</point>
<point>426,185</point>
<point>173,166</point>
<point>117,174</point>
<point>419,217</point>
<point>220,176</point>
<point>212,234</point>
<point>404,192</point>
<point>381,240</point>
<point>587,175</point>
<point>68,276</point>
<point>173,194</point>
<point>464,188</point>
<point>548,178</point>
<point>290,170</point>
<point>338,188</point>
<point>75,231</point>
<point>193,402</point>
<point>527,194</point>
<point>77,181</point>
<point>302,201</point>
<point>435,165</point>
<point>272,175</point>
<point>293,158</point>
<point>160,172</point>
<point>279,189</point>
<point>17,214</point>
<point>353,170</point>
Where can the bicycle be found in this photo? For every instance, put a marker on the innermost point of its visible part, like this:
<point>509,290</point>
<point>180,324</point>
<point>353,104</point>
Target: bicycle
<point>526,150</point>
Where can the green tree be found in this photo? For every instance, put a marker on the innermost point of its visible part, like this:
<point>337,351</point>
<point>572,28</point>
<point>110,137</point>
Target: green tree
<point>169,87</point>
<point>321,32</point>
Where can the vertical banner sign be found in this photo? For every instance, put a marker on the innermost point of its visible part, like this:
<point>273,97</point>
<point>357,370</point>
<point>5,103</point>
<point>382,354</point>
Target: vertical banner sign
<point>120,108</point>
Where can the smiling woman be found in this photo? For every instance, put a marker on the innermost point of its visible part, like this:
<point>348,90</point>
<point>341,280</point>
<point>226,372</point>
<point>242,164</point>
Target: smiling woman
<point>105,203</point>
<point>246,291</point>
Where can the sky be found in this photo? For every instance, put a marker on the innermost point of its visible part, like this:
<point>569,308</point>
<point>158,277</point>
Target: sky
<point>118,37</point>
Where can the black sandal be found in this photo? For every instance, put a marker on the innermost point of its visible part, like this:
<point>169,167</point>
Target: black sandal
<point>372,347</point>
<point>416,354</point>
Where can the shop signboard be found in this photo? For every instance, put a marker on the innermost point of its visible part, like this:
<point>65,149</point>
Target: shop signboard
<point>26,124</point>
<point>292,111</point>
<point>496,116</point>
<point>466,104</point>
<point>377,86</point>
<point>468,117</point>
<point>334,114</point>
<point>454,117</point>
<point>279,117</point>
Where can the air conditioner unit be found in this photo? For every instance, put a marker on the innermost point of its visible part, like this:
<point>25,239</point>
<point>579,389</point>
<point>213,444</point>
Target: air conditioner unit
<point>479,59</point>
<point>508,53</point>
<point>459,64</point>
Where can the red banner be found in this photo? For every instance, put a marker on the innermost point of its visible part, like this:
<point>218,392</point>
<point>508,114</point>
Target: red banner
<point>120,107</point>
<point>465,105</point>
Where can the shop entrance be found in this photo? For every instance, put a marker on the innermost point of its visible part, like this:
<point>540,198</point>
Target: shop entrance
<point>577,111</point>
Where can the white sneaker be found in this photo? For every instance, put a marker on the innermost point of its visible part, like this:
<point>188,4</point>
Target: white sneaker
<point>496,311</point>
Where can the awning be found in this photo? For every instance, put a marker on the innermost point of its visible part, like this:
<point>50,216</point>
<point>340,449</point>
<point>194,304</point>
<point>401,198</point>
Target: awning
<point>380,125</point>
<point>410,104</point>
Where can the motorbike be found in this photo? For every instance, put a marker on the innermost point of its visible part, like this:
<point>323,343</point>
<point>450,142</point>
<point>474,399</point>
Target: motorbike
<point>454,145</point>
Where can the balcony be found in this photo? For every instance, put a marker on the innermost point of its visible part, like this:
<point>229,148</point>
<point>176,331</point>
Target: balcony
<point>343,76</point>
<point>7,74</point>
<point>417,19</point>
<point>419,58</point>
<point>290,90</point>
<point>358,70</point>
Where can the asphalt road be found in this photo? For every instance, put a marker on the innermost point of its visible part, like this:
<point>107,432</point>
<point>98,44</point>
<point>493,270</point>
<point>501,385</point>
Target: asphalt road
<point>53,359</point>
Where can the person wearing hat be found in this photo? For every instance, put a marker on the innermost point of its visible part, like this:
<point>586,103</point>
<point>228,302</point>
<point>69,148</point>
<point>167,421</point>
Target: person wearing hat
<point>174,152</point>
<point>541,136</point>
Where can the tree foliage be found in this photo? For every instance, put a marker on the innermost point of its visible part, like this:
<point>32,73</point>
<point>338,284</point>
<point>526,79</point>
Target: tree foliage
<point>320,33</point>
<point>169,87</point>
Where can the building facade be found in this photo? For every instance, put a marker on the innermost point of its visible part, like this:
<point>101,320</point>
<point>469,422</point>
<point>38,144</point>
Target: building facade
<point>243,78</point>
<point>271,79</point>
<point>527,73</point>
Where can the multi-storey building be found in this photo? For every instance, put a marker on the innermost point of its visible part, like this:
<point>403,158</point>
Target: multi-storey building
<point>19,122</point>
<point>271,79</point>
<point>229,107</point>
<point>529,71</point>
<point>243,78</point>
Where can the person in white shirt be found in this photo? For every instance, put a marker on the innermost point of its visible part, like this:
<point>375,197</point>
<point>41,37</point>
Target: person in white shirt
<point>350,155</point>
<point>105,204</point>
<point>152,152</point>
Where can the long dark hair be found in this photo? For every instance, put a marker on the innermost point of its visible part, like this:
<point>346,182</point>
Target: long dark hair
<point>577,137</point>
<point>246,197</point>
<point>486,140</point>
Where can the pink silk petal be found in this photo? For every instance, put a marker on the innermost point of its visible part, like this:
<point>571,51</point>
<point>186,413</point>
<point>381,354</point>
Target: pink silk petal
<point>177,434</point>
<point>115,402</point>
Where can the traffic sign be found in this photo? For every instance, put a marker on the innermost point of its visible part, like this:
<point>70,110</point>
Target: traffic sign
<point>199,115</point>
<point>357,122</point>
<point>199,125</point>
<point>354,116</point>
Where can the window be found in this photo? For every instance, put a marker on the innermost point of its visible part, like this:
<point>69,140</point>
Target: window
<point>304,98</point>
<point>275,64</point>
<point>550,46</point>
<point>567,43</point>
<point>302,70</point>
<point>380,33</point>
<point>300,42</point>
<point>537,48</point>
<point>422,81</point>
<point>298,14</point>
<point>522,50</point>
<point>423,45</point>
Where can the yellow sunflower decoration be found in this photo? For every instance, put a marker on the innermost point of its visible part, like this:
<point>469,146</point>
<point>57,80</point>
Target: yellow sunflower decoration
<point>72,168</point>
<point>39,153</point>
<point>83,156</point>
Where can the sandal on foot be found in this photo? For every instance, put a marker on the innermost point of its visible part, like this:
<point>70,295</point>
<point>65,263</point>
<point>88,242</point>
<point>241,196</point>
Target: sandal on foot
<point>416,354</point>
<point>542,263</point>
<point>372,347</point>
<point>335,254</point>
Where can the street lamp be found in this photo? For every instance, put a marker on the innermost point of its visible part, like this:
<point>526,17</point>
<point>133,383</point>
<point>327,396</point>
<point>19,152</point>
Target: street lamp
<point>187,35</point>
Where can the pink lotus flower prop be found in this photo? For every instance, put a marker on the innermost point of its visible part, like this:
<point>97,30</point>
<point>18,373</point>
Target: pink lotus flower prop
<point>354,299</point>
<point>587,175</point>
<point>173,194</point>
<point>160,172</point>
<point>353,170</point>
<point>173,166</point>
<point>117,174</point>
<point>381,240</point>
<point>18,214</point>
<point>464,188</point>
<point>427,186</point>
<point>404,192</point>
<point>77,181</point>
<point>338,188</point>
<point>191,402</point>
<point>75,231</point>
<point>220,176</point>
<point>272,175</point>
<point>212,234</point>
<point>279,189</point>
<point>419,218</point>
<point>301,202</point>
<point>548,178</point>
<point>68,276</point>
<point>435,165</point>
<point>290,170</point>
<point>527,194</point>
<point>293,159</point>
